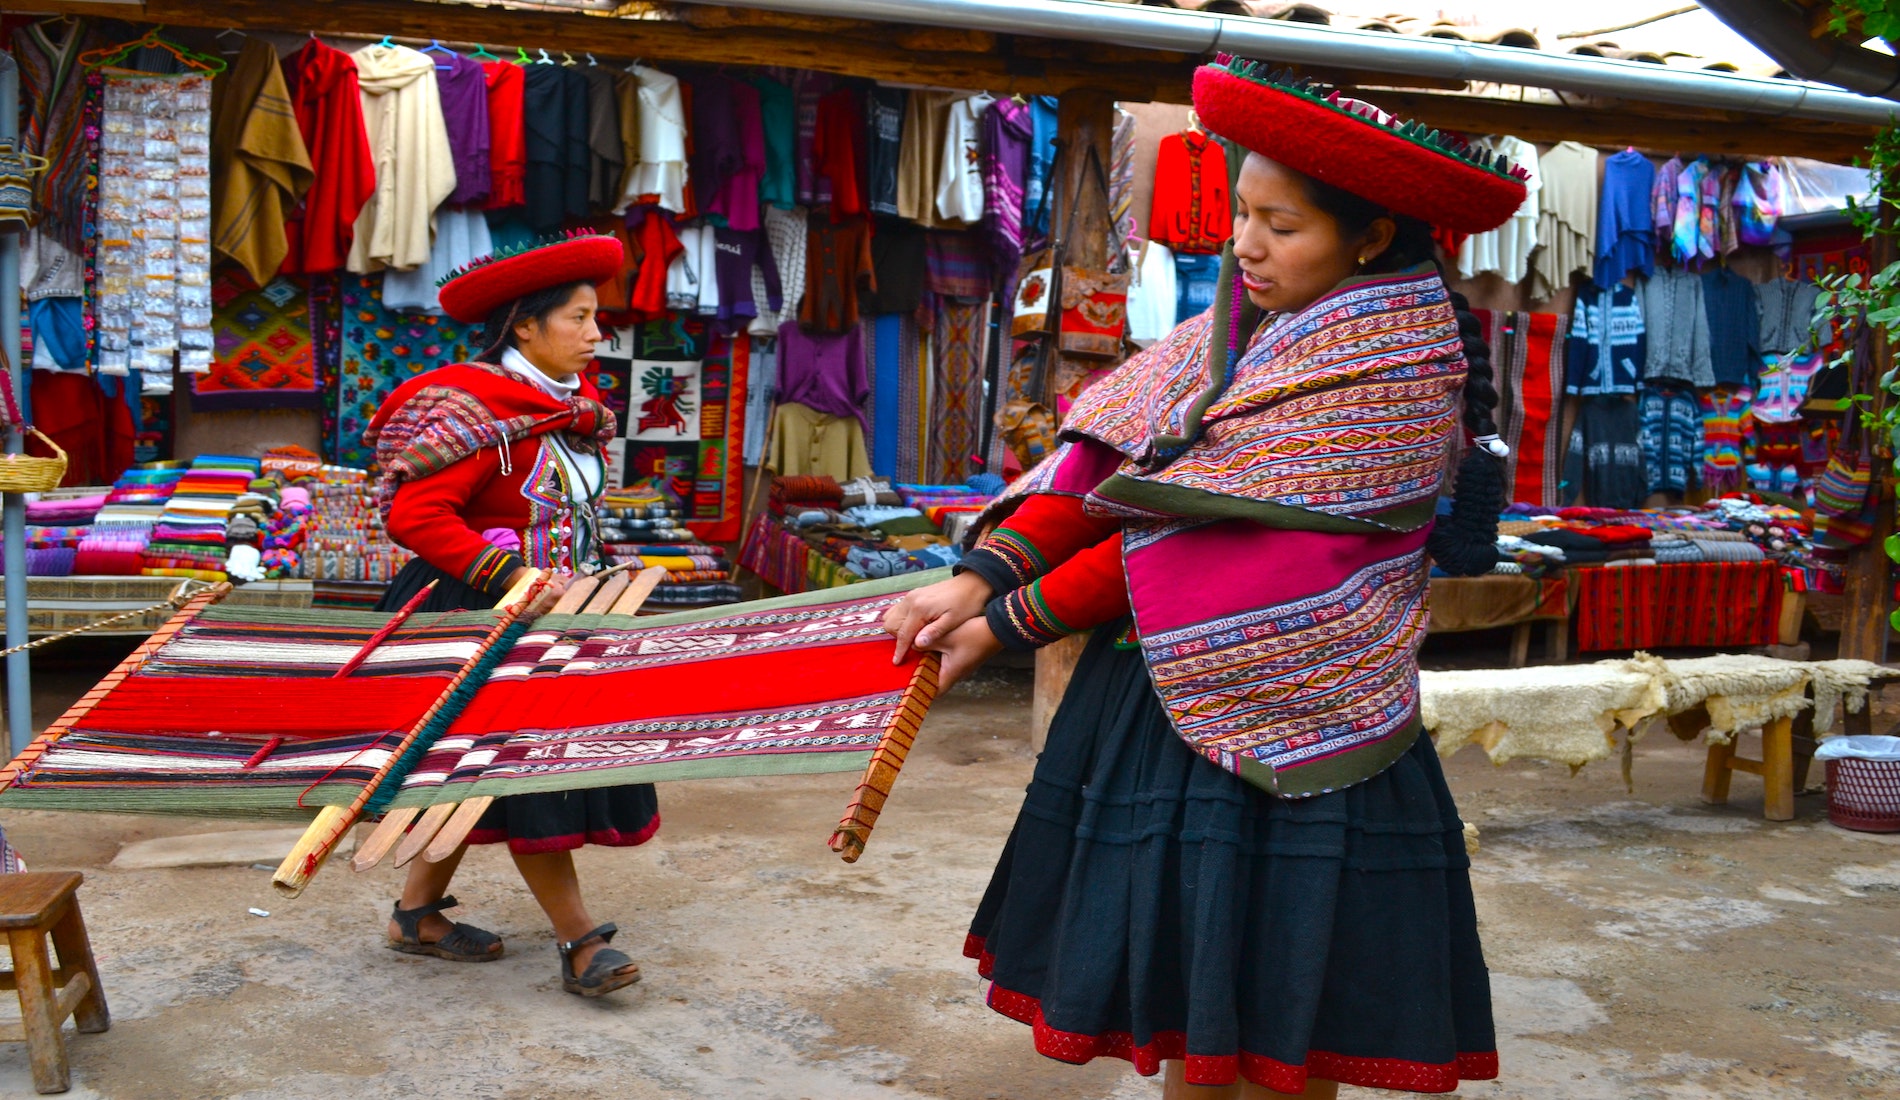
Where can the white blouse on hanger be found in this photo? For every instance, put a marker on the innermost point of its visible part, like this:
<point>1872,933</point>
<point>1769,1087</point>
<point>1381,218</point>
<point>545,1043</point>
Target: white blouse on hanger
<point>661,167</point>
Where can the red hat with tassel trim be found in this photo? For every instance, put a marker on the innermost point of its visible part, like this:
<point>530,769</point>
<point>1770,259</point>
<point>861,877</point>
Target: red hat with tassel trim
<point>471,292</point>
<point>1406,167</point>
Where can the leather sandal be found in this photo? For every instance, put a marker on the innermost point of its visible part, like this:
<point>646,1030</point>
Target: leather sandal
<point>603,970</point>
<point>462,942</point>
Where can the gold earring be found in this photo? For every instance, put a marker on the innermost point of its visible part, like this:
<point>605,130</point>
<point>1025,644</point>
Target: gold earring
<point>1362,261</point>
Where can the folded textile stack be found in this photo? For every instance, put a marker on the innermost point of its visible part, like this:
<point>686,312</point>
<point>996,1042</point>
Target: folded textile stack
<point>123,526</point>
<point>643,526</point>
<point>343,536</point>
<point>818,534</point>
<point>65,511</point>
<point>189,539</point>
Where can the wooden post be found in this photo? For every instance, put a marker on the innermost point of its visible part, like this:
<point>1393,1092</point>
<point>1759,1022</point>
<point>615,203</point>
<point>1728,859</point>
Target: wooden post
<point>1055,665</point>
<point>1867,590</point>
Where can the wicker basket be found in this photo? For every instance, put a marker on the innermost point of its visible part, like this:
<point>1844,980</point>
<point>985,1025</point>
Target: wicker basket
<point>30,474</point>
<point>1864,795</point>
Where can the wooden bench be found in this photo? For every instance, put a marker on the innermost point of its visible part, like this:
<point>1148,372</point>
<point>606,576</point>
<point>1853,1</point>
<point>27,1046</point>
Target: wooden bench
<point>33,906</point>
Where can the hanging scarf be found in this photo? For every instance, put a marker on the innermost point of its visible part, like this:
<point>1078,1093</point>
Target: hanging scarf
<point>448,414</point>
<point>1294,482</point>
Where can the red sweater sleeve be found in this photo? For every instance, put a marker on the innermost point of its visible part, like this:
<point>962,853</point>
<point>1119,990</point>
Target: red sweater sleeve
<point>427,517</point>
<point>1080,594</point>
<point>1045,531</point>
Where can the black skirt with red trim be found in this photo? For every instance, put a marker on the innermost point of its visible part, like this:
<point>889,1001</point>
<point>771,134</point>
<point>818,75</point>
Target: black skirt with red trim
<point>553,821</point>
<point>1151,906</point>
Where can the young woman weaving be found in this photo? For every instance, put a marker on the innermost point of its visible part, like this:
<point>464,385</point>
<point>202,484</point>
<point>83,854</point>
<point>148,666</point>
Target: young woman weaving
<point>1238,855</point>
<point>491,469</point>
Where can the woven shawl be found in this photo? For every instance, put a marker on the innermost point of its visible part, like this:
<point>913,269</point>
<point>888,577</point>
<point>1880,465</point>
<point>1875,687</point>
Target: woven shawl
<point>448,414</point>
<point>1275,521</point>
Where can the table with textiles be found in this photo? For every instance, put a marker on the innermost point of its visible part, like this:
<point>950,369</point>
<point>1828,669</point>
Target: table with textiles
<point>816,533</point>
<point>56,604</point>
<point>644,525</point>
<point>1459,604</point>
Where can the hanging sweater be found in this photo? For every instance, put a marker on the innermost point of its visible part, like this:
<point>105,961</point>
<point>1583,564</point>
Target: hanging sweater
<point>258,162</point>
<point>1606,349</point>
<point>1566,217</point>
<point>415,168</point>
<point>1787,314</point>
<point>1506,250</point>
<point>323,92</point>
<point>1626,228</point>
<point>661,170</point>
<point>1192,210</point>
<point>1678,329</point>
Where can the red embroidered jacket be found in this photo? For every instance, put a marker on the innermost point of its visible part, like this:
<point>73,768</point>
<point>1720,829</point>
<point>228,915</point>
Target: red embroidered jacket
<point>1055,569</point>
<point>1193,211</point>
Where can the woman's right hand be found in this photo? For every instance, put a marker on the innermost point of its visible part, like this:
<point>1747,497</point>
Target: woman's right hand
<point>927,615</point>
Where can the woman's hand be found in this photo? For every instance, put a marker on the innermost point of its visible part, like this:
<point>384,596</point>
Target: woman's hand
<point>551,592</point>
<point>928,614</point>
<point>964,650</point>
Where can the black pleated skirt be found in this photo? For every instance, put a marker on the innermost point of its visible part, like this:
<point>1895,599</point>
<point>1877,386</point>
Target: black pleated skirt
<point>553,821</point>
<point>1151,906</point>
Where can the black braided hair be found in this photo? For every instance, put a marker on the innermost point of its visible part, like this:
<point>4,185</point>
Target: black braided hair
<point>498,332</point>
<point>1464,543</point>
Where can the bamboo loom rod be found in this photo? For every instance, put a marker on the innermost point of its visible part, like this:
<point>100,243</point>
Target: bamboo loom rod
<point>880,774</point>
<point>455,831</point>
<point>313,849</point>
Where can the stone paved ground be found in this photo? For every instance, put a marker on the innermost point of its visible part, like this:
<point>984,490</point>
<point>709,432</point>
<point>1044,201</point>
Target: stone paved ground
<point>1643,947</point>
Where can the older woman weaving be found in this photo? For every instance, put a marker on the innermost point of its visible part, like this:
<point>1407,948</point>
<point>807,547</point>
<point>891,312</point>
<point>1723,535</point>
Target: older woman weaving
<point>490,469</point>
<point>1238,855</point>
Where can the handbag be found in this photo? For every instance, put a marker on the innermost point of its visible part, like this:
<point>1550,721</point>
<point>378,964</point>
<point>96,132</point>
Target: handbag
<point>1094,301</point>
<point>1840,492</point>
<point>17,169</point>
<point>1035,289</point>
<point>1027,424</point>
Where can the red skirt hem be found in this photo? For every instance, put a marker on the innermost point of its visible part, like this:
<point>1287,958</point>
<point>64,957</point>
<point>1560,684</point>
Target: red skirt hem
<point>529,846</point>
<point>1225,1069</point>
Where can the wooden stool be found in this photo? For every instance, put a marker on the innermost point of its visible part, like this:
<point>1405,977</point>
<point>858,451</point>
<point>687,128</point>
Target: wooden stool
<point>33,906</point>
<point>1776,768</point>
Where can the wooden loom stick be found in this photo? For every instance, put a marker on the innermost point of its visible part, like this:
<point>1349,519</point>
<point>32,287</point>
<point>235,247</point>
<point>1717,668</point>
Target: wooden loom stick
<point>132,663</point>
<point>415,838</point>
<point>456,831</point>
<point>886,761</point>
<point>313,849</point>
<point>395,623</point>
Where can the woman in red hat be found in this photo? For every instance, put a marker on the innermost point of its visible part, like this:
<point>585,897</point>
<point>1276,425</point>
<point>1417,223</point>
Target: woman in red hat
<point>489,470</point>
<point>1238,859</point>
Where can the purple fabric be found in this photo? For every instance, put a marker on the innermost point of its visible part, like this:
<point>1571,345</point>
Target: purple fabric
<point>1626,223</point>
<point>717,152</point>
<point>810,87</point>
<point>956,264</point>
<point>1006,168</point>
<point>823,372</point>
<point>738,250</point>
<point>464,88</point>
<point>738,200</point>
<point>48,561</point>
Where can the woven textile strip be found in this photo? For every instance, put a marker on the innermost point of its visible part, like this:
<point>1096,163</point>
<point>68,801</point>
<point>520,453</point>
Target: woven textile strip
<point>912,368</point>
<point>719,482</point>
<point>957,389</point>
<point>1709,604</point>
<point>789,686</point>
<point>1527,356</point>
<point>380,350</point>
<point>192,730</point>
<point>265,358</point>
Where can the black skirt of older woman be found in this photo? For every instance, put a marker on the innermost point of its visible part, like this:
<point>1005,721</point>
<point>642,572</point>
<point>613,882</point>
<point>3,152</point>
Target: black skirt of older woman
<point>551,821</point>
<point>1150,905</point>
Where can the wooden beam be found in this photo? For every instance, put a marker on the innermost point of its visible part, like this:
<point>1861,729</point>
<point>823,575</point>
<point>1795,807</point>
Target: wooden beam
<point>1867,575</point>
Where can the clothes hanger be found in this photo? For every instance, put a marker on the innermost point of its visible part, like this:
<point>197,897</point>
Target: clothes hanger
<point>1194,122</point>
<point>521,57</point>
<point>634,65</point>
<point>567,59</point>
<point>222,40</point>
<point>545,59</point>
<point>482,54</point>
<point>591,63</point>
<point>190,59</point>
<point>387,43</point>
<point>436,46</point>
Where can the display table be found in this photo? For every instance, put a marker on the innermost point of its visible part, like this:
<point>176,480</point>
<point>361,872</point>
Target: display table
<point>55,604</point>
<point>1712,605</point>
<point>1485,603</point>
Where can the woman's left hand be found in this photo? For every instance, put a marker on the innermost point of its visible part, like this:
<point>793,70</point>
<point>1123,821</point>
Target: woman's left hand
<point>964,650</point>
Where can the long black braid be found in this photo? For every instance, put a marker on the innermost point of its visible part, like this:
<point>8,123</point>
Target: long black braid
<point>1464,543</point>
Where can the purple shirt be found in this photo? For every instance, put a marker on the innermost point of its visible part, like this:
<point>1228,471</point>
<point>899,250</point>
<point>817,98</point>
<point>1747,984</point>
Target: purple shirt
<point>716,154</point>
<point>738,250</point>
<point>821,372</point>
<point>738,200</point>
<point>1006,132</point>
<point>464,88</point>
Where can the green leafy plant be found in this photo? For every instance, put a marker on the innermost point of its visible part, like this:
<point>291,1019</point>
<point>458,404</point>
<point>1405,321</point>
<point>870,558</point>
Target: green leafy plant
<point>1866,18</point>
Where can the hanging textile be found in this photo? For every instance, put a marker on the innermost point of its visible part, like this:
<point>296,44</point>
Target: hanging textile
<point>1506,250</point>
<point>414,166</point>
<point>1192,212</point>
<point>956,388</point>
<point>920,156</point>
<point>760,393</point>
<point>1734,326</point>
<point>155,227</point>
<point>1005,167</point>
<point>606,155</point>
<point>52,95</point>
<point>719,477</point>
<point>1710,604</point>
<point>1726,423</point>
<point>1121,182</point>
<point>462,87</point>
<point>259,166</point>
<point>808,443</point>
<point>326,353</point>
<point>1671,434</point>
<point>379,349</point>
<point>264,355</point>
<point>1626,236</point>
<point>960,187</point>
<point>1527,358</point>
<point>1607,346</point>
<point>837,152</point>
<point>778,114</point>
<point>554,102</point>
<point>507,135</point>
<point>1567,210</point>
<point>665,400</point>
<point>896,334</point>
<point>1042,157</point>
<point>461,237</point>
<point>883,146</point>
<point>1605,459</point>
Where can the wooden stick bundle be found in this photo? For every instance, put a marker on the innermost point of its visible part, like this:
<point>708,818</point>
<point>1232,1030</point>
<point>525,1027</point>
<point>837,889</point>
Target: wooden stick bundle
<point>886,761</point>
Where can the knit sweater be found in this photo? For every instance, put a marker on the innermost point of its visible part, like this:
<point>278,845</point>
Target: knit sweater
<point>1678,329</point>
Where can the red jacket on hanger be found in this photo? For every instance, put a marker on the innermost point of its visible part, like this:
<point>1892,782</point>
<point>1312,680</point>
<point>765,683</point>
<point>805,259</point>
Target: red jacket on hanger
<point>1193,211</point>
<point>329,106</point>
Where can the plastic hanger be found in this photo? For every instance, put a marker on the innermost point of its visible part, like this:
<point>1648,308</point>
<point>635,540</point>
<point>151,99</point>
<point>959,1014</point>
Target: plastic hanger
<point>386,43</point>
<point>481,54</point>
<point>567,59</point>
<point>545,59</point>
<point>634,65</point>
<point>521,57</point>
<point>190,59</point>
<point>224,47</point>
<point>591,63</point>
<point>436,46</point>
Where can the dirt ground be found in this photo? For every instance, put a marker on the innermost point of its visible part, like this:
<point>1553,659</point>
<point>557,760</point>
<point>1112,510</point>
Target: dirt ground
<point>1642,946</point>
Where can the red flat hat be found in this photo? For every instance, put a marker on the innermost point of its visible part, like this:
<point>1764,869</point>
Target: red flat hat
<point>1406,167</point>
<point>473,292</point>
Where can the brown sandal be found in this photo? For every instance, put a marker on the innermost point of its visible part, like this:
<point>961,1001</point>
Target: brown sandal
<point>462,942</point>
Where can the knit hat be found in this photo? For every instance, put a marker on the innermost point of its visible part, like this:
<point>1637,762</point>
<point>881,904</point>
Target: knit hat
<point>471,292</point>
<point>1406,167</point>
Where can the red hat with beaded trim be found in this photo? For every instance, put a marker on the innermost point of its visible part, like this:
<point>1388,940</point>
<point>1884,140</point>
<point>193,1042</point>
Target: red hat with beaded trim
<point>471,292</point>
<point>1406,167</point>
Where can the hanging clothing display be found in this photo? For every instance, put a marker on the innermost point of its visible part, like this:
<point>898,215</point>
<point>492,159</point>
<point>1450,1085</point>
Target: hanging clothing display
<point>606,155</point>
<point>1605,460</point>
<point>1787,314</point>
<point>324,92</point>
<point>956,388</point>
<point>787,235</point>
<point>154,257</point>
<point>1662,201</point>
<point>1734,321</point>
<point>900,264</point>
<point>661,170</point>
<point>462,86</point>
<point>1507,249</point>
<point>1677,326</point>
<point>415,172</point>
<point>808,88</point>
<point>1671,433</point>
<point>920,156</point>
<point>1042,157</point>
<point>507,135</point>
<point>1726,425</point>
<point>837,265</point>
<point>461,237</point>
<point>1192,212</point>
<point>1152,298</point>
<point>741,253</point>
<point>960,187</point>
<point>1566,217</point>
<point>808,443</point>
<point>825,373</point>
<point>555,115</point>
<point>1607,346</point>
<point>838,150</point>
<point>737,200</point>
<point>761,394</point>
<point>1195,277</point>
<point>52,98</point>
<point>1689,239</point>
<point>1006,136</point>
<point>883,147</point>
<point>778,115</point>
<point>259,166</point>
<point>1121,182</point>
<point>1626,239</point>
<point>1527,359</point>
